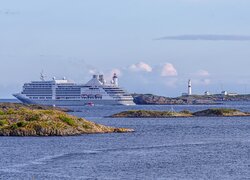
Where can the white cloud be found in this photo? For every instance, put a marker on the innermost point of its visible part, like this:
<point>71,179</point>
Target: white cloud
<point>141,66</point>
<point>202,73</point>
<point>168,70</point>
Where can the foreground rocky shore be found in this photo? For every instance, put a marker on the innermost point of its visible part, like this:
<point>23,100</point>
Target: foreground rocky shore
<point>169,114</point>
<point>24,120</point>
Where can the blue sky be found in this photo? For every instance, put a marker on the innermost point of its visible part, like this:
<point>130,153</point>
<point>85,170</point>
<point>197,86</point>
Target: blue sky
<point>79,37</point>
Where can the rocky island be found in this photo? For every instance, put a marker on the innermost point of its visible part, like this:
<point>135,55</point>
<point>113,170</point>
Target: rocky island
<point>151,114</point>
<point>30,120</point>
<point>169,114</point>
<point>151,99</point>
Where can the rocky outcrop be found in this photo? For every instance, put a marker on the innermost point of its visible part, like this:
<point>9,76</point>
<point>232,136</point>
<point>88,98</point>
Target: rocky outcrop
<point>193,99</point>
<point>154,99</point>
<point>151,114</point>
<point>169,114</point>
<point>150,99</point>
<point>221,112</point>
<point>16,106</point>
<point>21,120</point>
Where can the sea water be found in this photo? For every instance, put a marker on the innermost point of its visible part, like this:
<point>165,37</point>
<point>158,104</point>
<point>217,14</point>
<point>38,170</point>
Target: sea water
<point>173,148</point>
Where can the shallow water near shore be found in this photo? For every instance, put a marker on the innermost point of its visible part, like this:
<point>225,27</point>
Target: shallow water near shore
<point>173,148</point>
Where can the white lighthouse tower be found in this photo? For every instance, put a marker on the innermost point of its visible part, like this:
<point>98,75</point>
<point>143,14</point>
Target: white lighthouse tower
<point>189,87</point>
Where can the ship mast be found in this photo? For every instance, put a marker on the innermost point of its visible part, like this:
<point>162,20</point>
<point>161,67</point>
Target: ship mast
<point>42,76</point>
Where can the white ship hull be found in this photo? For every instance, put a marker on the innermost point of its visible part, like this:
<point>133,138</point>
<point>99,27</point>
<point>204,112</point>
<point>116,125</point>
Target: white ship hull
<point>67,93</point>
<point>80,102</point>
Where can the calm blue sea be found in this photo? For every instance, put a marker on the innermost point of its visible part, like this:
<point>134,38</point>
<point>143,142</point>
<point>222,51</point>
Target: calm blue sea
<point>175,148</point>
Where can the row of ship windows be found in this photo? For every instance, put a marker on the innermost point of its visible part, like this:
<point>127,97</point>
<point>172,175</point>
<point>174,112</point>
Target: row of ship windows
<point>37,86</point>
<point>36,90</point>
<point>74,97</point>
<point>50,86</point>
<point>40,97</point>
<point>49,92</point>
<point>73,88</point>
<point>121,97</point>
<point>76,87</point>
<point>67,87</point>
<point>68,92</point>
<point>38,93</point>
<point>91,95</point>
<point>57,90</point>
<point>114,90</point>
<point>62,93</point>
<point>50,89</point>
<point>40,82</point>
<point>78,97</point>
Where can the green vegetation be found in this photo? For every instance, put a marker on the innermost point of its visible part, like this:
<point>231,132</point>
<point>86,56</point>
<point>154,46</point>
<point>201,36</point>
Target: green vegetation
<point>67,120</point>
<point>86,125</point>
<point>3,122</point>
<point>32,117</point>
<point>14,126</point>
<point>22,120</point>
<point>10,111</point>
<point>184,113</point>
<point>1,113</point>
<point>21,124</point>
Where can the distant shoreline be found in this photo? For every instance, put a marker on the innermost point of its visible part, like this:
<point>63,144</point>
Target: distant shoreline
<point>151,99</point>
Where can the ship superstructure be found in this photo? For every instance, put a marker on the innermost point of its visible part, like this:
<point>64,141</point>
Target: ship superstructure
<point>67,93</point>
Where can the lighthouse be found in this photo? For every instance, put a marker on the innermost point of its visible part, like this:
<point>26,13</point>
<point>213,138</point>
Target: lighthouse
<point>189,87</point>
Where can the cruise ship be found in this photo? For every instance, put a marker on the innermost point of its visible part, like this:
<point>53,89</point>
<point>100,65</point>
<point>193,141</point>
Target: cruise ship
<point>67,93</point>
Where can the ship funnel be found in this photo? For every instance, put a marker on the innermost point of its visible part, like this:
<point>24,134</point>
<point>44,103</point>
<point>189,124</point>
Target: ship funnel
<point>115,79</point>
<point>101,79</point>
<point>42,76</point>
